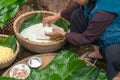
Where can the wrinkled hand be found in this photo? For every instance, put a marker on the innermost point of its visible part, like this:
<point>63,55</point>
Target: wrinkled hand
<point>51,19</point>
<point>57,33</point>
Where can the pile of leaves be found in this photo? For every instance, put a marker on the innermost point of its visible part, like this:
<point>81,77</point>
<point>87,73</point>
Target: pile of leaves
<point>66,66</point>
<point>8,9</point>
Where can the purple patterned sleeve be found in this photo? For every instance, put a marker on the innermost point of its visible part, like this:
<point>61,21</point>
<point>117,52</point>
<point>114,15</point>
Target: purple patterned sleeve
<point>95,29</point>
<point>67,12</point>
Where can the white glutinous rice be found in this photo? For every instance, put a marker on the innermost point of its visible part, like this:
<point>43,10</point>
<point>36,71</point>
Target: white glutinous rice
<point>37,32</point>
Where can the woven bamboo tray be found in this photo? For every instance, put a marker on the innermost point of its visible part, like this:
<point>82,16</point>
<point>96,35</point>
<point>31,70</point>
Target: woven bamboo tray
<point>8,28</point>
<point>46,58</point>
<point>36,46</point>
<point>10,60</point>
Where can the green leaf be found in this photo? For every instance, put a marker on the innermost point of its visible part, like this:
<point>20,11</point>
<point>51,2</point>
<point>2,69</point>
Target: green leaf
<point>34,19</point>
<point>1,24</point>
<point>7,78</point>
<point>8,15</point>
<point>4,3</point>
<point>59,68</point>
<point>21,2</point>
<point>102,75</point>
<point>9,41</point>
<point>8,11</point>
<point>67,66</point>
<point>12,6</point>
<point>5,17</point>
<point>86,73</point>
<point>63,24</point>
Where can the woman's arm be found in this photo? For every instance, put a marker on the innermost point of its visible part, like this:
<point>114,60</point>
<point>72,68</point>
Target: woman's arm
<point>67,12</point>
<point>96,27</point>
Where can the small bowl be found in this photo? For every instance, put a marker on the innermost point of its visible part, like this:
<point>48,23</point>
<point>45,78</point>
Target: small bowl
<point>20,71</point>
<point>34,62</point>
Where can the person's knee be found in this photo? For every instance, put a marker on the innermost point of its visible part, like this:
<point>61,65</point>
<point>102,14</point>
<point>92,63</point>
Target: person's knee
<point>112,57</point>
<point>112,53</point>
<point>114,61</point>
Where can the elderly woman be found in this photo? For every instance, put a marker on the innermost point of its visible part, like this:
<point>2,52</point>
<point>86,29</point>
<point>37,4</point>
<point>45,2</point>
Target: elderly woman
<point>93,21</point>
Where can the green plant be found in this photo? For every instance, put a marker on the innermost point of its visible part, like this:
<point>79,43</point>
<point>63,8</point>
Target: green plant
<point>8,9</point>
<point>9,41</point>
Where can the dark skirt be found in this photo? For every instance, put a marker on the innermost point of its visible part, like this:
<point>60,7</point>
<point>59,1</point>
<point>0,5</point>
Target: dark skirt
<point>111,55</point>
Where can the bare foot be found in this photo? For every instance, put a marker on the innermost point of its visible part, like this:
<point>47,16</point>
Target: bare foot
<point>91,55</point>
<point>117,77</point>
<point>95,54</point>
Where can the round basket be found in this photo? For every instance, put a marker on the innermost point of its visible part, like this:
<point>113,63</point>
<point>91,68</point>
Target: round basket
<point>35,46</point>
<point>8,28</point>
<point>10,60</point>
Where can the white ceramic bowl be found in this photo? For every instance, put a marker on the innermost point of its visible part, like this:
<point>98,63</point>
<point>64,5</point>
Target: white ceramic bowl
<point>34,62</point>
<point>20,71</point>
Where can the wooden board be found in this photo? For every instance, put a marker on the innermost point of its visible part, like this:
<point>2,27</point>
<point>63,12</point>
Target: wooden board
<point>46,58</point>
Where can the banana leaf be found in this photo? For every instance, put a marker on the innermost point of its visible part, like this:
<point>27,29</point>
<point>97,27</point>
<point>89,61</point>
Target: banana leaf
<point>59,68</point>
<point>67,66</point>
<point>6,16</point>
<point>6,78</point>
<point>21,2</point>
<point>11,7</point>
<point>34,19</point>
<point>1,24</point>
<point>37,18</point>
<point>4,3</point>
<point>6,9</point>
<point>102,75</point>
<point>7,12</point>
<point>9,41</point>
<point>86,73</point>
<point>63,24</point>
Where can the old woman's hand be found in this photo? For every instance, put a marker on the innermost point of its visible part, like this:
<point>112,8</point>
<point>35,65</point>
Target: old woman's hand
<point>51,19</point>
<point>57,33</point>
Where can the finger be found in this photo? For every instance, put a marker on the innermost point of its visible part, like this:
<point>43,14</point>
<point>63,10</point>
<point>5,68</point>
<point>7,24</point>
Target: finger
<point>49,34</point>
<point>44,22</point>
<point>50,23</point>
<point>55,29</point>
<point>53,37</point>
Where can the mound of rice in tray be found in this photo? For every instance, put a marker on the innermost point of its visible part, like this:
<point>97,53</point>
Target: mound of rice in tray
<point>37,32</point>
<point>5,53</point>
